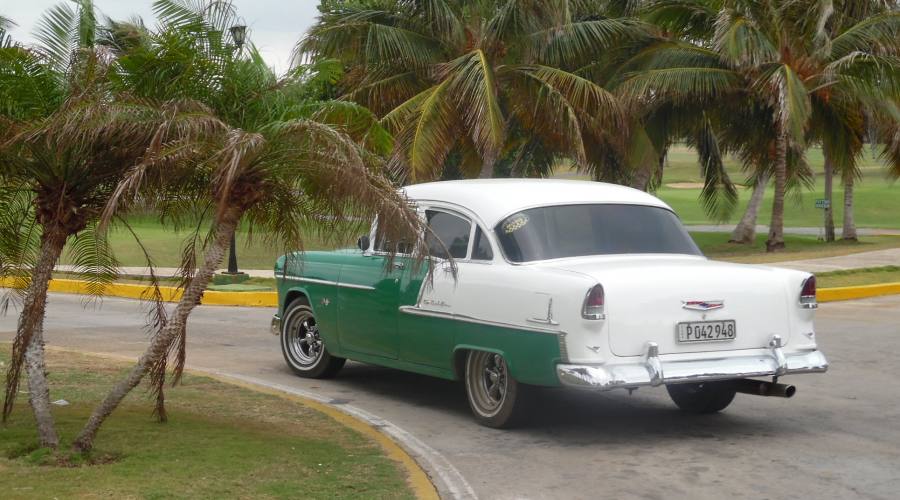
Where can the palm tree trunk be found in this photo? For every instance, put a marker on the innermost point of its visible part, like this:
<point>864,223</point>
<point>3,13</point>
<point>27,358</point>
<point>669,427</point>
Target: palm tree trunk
<point>641,178</point>
<point>776,227</point>
<point>28,346</point>
<point>848,232</point>
<point>829,195</point>
<point>745,232</point>
<point>487,170</point>
<point>161,342</point>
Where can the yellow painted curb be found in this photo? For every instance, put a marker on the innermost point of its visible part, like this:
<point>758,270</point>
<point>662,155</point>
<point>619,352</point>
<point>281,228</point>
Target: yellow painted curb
<point>169,293</point>
<point>270,299</point>
<point>856,292</point>
<point>417,478</point>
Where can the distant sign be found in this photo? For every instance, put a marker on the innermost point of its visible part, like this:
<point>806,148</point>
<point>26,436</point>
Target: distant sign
<point>823,203</point>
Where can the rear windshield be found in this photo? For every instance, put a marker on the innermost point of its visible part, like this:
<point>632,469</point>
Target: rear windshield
<point>576,230</point>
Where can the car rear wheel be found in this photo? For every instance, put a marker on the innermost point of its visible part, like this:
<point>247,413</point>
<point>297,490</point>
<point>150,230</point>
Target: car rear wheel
<point>496,399</point>
<point>303,348</point>
<point>704,397</point>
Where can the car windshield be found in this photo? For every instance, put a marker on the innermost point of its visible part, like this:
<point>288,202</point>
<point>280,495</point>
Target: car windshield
<point>598,229</point>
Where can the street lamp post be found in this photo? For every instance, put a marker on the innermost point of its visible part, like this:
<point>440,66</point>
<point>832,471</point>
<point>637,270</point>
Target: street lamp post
<point>238,34</point>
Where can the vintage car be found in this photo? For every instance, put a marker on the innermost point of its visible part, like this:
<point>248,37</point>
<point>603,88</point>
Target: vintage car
<point>557,283</point>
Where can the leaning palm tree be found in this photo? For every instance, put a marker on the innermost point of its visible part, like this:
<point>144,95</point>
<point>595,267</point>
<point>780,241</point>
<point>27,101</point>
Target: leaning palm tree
<point>770,50</point>
<point>35,84</point>
<point>470,83</point>
<point>68,140</point>
<point>282,162</point>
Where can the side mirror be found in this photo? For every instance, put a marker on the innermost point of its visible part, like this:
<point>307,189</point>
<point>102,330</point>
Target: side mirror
<point>363,242</point>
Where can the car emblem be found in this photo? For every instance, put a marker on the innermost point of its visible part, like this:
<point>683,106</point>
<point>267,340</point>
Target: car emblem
<point>702,305</point>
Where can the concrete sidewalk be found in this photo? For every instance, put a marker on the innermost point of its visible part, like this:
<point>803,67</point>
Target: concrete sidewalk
<point>876,258</point>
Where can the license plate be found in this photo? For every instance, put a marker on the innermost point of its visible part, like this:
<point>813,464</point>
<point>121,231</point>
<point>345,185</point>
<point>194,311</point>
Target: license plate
<point>707,331</point>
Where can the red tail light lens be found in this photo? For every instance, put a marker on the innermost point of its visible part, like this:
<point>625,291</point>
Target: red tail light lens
<point>594,304</point>
<point>808,293</point>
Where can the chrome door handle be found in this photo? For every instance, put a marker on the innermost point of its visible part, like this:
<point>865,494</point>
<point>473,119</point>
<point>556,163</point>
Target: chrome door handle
<point>399,265</point>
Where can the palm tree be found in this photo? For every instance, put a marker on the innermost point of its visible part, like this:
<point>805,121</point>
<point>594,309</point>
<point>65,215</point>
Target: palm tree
<point>772,53</point>
<point>282,162</point>
<point>482,81</point>
<point>35,84</point>
<point>68,141</point>
<point>855,80</point>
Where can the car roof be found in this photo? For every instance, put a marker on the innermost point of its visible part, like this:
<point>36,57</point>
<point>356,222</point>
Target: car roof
<point>494,199</point>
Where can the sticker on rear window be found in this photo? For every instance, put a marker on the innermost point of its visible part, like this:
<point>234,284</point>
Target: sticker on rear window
<point>514,224</point>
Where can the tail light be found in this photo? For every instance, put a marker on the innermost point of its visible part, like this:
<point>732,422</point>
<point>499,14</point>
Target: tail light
<point>808,294</point>
<point>594,304</point>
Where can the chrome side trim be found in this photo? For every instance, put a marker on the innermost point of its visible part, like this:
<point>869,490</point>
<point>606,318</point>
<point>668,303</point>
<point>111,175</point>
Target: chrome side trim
<point>418,311</point>
<point>329,282</point>
<point>654,370</point>
<point>563,350</point>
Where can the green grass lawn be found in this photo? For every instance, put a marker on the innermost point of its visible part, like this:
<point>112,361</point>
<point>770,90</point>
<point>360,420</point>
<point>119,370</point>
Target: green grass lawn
<point>165,244</point>
<point>221,441</point>
<point>877,200</point>
<point>716,246</point>
<point>854,277</point>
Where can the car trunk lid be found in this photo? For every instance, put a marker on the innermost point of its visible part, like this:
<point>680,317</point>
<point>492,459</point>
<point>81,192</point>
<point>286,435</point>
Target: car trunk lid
<point>647,296</point>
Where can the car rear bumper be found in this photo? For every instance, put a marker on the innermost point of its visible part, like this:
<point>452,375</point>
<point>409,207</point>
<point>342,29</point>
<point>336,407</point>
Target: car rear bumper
<point>653,370</point>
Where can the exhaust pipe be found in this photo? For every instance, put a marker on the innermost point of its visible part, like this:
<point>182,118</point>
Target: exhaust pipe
<point>762,388</point>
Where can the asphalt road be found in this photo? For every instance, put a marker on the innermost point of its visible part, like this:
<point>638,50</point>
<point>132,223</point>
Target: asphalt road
<point>839,437</point>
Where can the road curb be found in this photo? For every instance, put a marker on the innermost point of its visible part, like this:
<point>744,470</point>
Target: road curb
<point>270,299</point>
<point>417,477</point>
<point>857,292</point>
<point>169,293</point>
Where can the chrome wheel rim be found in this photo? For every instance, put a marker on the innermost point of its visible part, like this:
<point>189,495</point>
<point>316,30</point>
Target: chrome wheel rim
<point>488,382</point>
<point>303,342</point>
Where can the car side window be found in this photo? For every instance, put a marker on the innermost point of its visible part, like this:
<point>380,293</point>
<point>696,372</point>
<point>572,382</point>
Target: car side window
<point>481,249</point>
<point>382,244</point>
<point>448,235</point>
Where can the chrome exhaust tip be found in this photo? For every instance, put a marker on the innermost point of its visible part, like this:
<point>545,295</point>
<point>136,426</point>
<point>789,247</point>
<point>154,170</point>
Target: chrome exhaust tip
<point>763,388</point>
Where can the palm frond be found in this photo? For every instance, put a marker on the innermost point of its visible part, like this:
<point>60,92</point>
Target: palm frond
<point>432,134</point>
<point>472,84</point>
<point>789,98</point>
<point>680,84</point>
<point>742,41</point>
<point>719,195</point>
<point>878,33</point>
<point>93,260</point>
<point>573,43</point>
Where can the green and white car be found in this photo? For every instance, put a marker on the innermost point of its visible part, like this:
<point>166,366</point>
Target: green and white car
<point>558,283</point>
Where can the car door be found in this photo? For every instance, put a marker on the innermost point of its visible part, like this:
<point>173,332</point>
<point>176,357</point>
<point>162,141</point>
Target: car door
<point>368,299</point>
<point>420,339</point>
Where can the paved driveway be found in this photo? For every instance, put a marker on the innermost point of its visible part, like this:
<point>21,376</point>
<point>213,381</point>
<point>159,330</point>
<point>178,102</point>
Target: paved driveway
<point>839,437</point>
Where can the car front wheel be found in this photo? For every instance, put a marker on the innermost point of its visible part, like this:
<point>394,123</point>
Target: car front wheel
<point>303,348</point>
<point>496,399</point>
<point>704,397</point>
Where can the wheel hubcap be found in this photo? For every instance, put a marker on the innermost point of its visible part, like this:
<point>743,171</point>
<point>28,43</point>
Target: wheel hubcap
<point>304,342</point>
<point>489,390</point>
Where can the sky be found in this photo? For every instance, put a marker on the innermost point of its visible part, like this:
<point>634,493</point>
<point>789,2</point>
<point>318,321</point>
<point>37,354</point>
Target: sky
<point>275,25</point>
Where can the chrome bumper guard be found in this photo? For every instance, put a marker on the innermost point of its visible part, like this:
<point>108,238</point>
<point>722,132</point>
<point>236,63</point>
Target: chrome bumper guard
<point>275,326</point>
<point>653,371</point>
